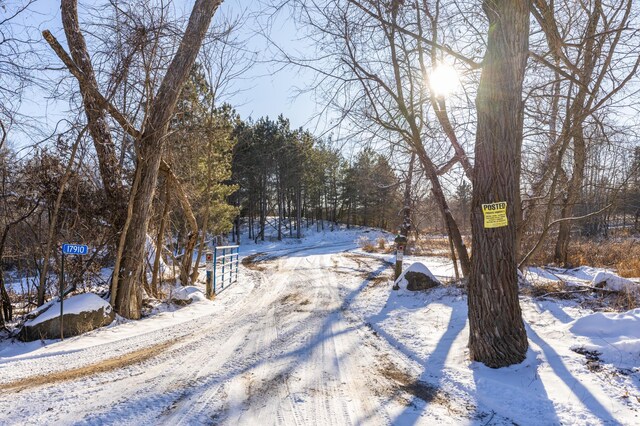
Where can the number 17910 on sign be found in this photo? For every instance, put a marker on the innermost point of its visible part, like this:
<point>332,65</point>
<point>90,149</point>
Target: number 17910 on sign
<point>75,249</point>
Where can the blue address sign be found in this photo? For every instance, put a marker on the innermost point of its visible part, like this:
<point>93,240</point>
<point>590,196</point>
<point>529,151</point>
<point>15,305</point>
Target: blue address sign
<point>75,249</point>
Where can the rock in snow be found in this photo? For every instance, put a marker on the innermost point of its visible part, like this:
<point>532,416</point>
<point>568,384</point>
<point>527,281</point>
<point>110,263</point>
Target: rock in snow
<point>417,277</point>
<point>185,295</point>
<point>82,313</point>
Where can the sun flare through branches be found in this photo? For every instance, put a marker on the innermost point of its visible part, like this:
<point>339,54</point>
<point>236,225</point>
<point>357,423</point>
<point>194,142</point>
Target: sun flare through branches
<point>444,80</point>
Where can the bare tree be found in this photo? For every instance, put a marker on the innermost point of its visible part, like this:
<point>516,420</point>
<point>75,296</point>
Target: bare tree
<point>126,286</point>
<point>591,47</point>
<point>16,66</point>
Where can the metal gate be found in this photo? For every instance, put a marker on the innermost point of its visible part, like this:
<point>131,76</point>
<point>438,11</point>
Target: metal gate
<point>225,266</point>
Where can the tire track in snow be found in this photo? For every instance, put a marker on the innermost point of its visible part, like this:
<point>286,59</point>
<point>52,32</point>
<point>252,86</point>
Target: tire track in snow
<point>285,352</point>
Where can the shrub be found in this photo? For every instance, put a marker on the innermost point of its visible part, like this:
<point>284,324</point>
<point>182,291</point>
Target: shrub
<point>366,244</point>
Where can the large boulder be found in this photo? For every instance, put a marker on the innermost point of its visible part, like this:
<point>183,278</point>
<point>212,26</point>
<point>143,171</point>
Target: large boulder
<point>417,277</point>
<point>82,313</point>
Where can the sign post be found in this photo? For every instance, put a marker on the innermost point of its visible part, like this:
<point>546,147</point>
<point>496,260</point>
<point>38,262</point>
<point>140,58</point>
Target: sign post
<point>68,249</point>
<point>209,263</point>
<point>401,242</point>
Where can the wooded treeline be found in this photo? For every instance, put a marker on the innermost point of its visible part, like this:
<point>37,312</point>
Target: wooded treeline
<point>289,180</point>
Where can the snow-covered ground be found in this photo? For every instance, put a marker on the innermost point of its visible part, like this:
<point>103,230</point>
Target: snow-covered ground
<point>313,334</point>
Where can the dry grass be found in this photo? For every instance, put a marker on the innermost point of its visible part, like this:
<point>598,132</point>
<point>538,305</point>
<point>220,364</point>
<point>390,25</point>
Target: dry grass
<point>620,254</point>
<point>434,246</point>
<point>555,289</point>
<point>614,302</point>
<point>366,244</point>
<point>623,256</point>
<point>586,296</point>
<point>118,362</point>
<point>630,268</point>
<point>377,246</point>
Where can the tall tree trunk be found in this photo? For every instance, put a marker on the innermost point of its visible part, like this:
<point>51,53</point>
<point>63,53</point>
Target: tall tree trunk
<point>280,211</point>
<point>289,214</point>
<point>6,310</point>
<point>591,52</point>
<point>497,335</point>
<point>160,239</point>
<point>450,223</point>
<point>201,247</point>
<point>298,212</point>
<point>415,141</point>
<point>238,229</point>
<point>128,302</point>
<point>406,205</point>
<point>192,236</point>
<point>251,218</point>
<point>263,207</point>
<point>573,192</point>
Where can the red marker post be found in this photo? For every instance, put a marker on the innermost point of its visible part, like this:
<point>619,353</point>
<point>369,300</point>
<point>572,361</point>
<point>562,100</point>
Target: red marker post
<point>209,263</point>
<point>401,243</point>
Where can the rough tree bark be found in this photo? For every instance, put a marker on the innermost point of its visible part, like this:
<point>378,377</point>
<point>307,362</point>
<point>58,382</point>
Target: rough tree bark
<point>497,334</point>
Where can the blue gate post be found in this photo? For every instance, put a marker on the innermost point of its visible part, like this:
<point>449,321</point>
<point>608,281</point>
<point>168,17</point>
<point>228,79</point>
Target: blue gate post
<point>230,266</point>
<point>224,259</point>
<point>215,267</point>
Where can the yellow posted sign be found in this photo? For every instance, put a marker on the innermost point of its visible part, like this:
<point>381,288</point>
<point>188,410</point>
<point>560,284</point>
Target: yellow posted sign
<point>495,215</point>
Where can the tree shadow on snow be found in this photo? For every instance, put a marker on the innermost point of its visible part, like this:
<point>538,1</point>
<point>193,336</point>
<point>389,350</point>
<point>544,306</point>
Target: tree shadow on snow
<point>562,372</point>
<point>291,359</point>
<point>426,389</point>
<point>513,395</point>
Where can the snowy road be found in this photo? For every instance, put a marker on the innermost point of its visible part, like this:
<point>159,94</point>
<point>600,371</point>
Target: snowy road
<point>282,348</point>
<point>313,335</point>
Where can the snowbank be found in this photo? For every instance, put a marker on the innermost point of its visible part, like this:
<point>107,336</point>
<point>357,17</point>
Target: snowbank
<point>187,294</point>
<point>87,302</point>
<point>615,337</point>
<point>613,282</point>
<point>600,324</point>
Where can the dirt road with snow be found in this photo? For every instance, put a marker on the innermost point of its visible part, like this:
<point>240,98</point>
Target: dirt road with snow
<point>281,347</point>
